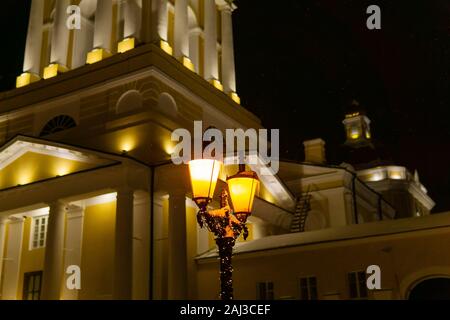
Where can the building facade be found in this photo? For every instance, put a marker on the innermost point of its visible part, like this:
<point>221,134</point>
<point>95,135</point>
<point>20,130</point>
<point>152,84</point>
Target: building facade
<point>86,177</point>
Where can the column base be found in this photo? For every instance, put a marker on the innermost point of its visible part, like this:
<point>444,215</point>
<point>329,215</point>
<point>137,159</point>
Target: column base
<point>97,55</point>
<point>26,78</point>
<point>235,97</point>
<point>54,69</point>
<point>165,46</point>
<point>126,44</point>
<point>188,63</point>
<point>216,83</point>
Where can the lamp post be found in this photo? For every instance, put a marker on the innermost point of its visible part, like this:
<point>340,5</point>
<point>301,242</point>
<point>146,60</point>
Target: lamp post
<point>225,224</point>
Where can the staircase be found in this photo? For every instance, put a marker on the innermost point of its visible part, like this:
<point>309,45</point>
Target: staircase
<point>302,208</point>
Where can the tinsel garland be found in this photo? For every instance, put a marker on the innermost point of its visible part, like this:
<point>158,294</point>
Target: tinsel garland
<point>226,269</point>
<point>226,229</point>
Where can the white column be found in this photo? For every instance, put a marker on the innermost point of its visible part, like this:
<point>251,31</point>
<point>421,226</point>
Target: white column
<point>11,271</point>
<point>211,54</point>
<point>154,21</point>
<point>54,252</point>
<point>228,64</point>
<point>194,48</point>
<point>141,247</point>
<point>82,42</point>
<point>33,49</point>
<point>177,276</point>
<point>162,17</point>
<point>103,25</point>
<point>123,256</point>
<point>132,19</point>
<point>3,222</point>
<point>159,255</point>
<point>181,36</point>
<point>60,34</point>
<point>72,250</point>
<point>148,33</point>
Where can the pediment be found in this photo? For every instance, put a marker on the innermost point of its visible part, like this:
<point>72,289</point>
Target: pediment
<point>26,160</point>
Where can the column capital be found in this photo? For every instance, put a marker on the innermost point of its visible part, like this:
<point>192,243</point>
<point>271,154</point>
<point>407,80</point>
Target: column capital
<point>57,203</point>
<point>57,206</point>
<point>74,212</point>
<point>227,7</point>
<point>15,219</point>
<point>196,31</point>
<point>177,193</point>
<point>125,191</point>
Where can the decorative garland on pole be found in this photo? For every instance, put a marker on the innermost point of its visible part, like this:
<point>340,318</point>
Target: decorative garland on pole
<point>226,229</point>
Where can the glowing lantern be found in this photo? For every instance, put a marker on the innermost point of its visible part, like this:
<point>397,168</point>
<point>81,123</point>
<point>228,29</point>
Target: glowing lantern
<point>204,174</point>
<point>243,187</point>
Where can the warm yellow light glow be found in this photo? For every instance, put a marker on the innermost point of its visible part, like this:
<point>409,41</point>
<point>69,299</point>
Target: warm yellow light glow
<point>126,44</point>
<point>396,175</point>
<point>97,55</point>
<point>25,79</point>
<point>166,47</point>
<point>127,143</point>
<point>376,176</point>
<point>24,177</point>
<point>235,97</point>
<point>169,146</point>
<point>63,169</point>
<point>204,174</point>
<point>243,188</point>
<point>352,115</point>
<point>53,70</point>
<point>354,135</point>
<point>368,135</point>
<point>188,64</point>
<point>216,84</point>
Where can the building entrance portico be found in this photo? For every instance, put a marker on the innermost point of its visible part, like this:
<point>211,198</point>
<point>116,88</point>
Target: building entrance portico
<point>45,223</point>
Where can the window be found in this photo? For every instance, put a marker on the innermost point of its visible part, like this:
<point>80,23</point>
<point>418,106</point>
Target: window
<point>308,288</point>
<point>57,124</point>
<point>38,232</point>
<point>357,284</point>
<point>32,286</point>
<point>265,291</point>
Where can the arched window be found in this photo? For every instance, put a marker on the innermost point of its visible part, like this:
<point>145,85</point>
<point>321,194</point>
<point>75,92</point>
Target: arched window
<point>431,289</point>
<point>57,124</point>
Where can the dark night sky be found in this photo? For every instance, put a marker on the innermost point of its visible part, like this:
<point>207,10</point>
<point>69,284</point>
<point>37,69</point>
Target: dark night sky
<point>299,63</point>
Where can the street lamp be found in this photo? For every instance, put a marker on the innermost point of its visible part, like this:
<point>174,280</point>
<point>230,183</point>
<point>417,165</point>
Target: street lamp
<point>225,224</point>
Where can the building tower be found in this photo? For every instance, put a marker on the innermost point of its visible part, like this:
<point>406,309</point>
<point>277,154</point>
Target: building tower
<point>91,122</point>
<point>396,184</point>
<point>198,33</point>
<point>357,126</point>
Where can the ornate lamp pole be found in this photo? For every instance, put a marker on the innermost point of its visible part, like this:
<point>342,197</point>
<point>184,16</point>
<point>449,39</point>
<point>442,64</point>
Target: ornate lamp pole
<point>225,224</point>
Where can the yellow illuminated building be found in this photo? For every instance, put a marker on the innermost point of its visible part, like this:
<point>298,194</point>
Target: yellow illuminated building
<point>86,177</point>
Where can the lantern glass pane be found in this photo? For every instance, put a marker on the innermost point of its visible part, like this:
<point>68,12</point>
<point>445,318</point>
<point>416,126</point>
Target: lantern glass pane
<point>242,193</point>
<point>204,174</point>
